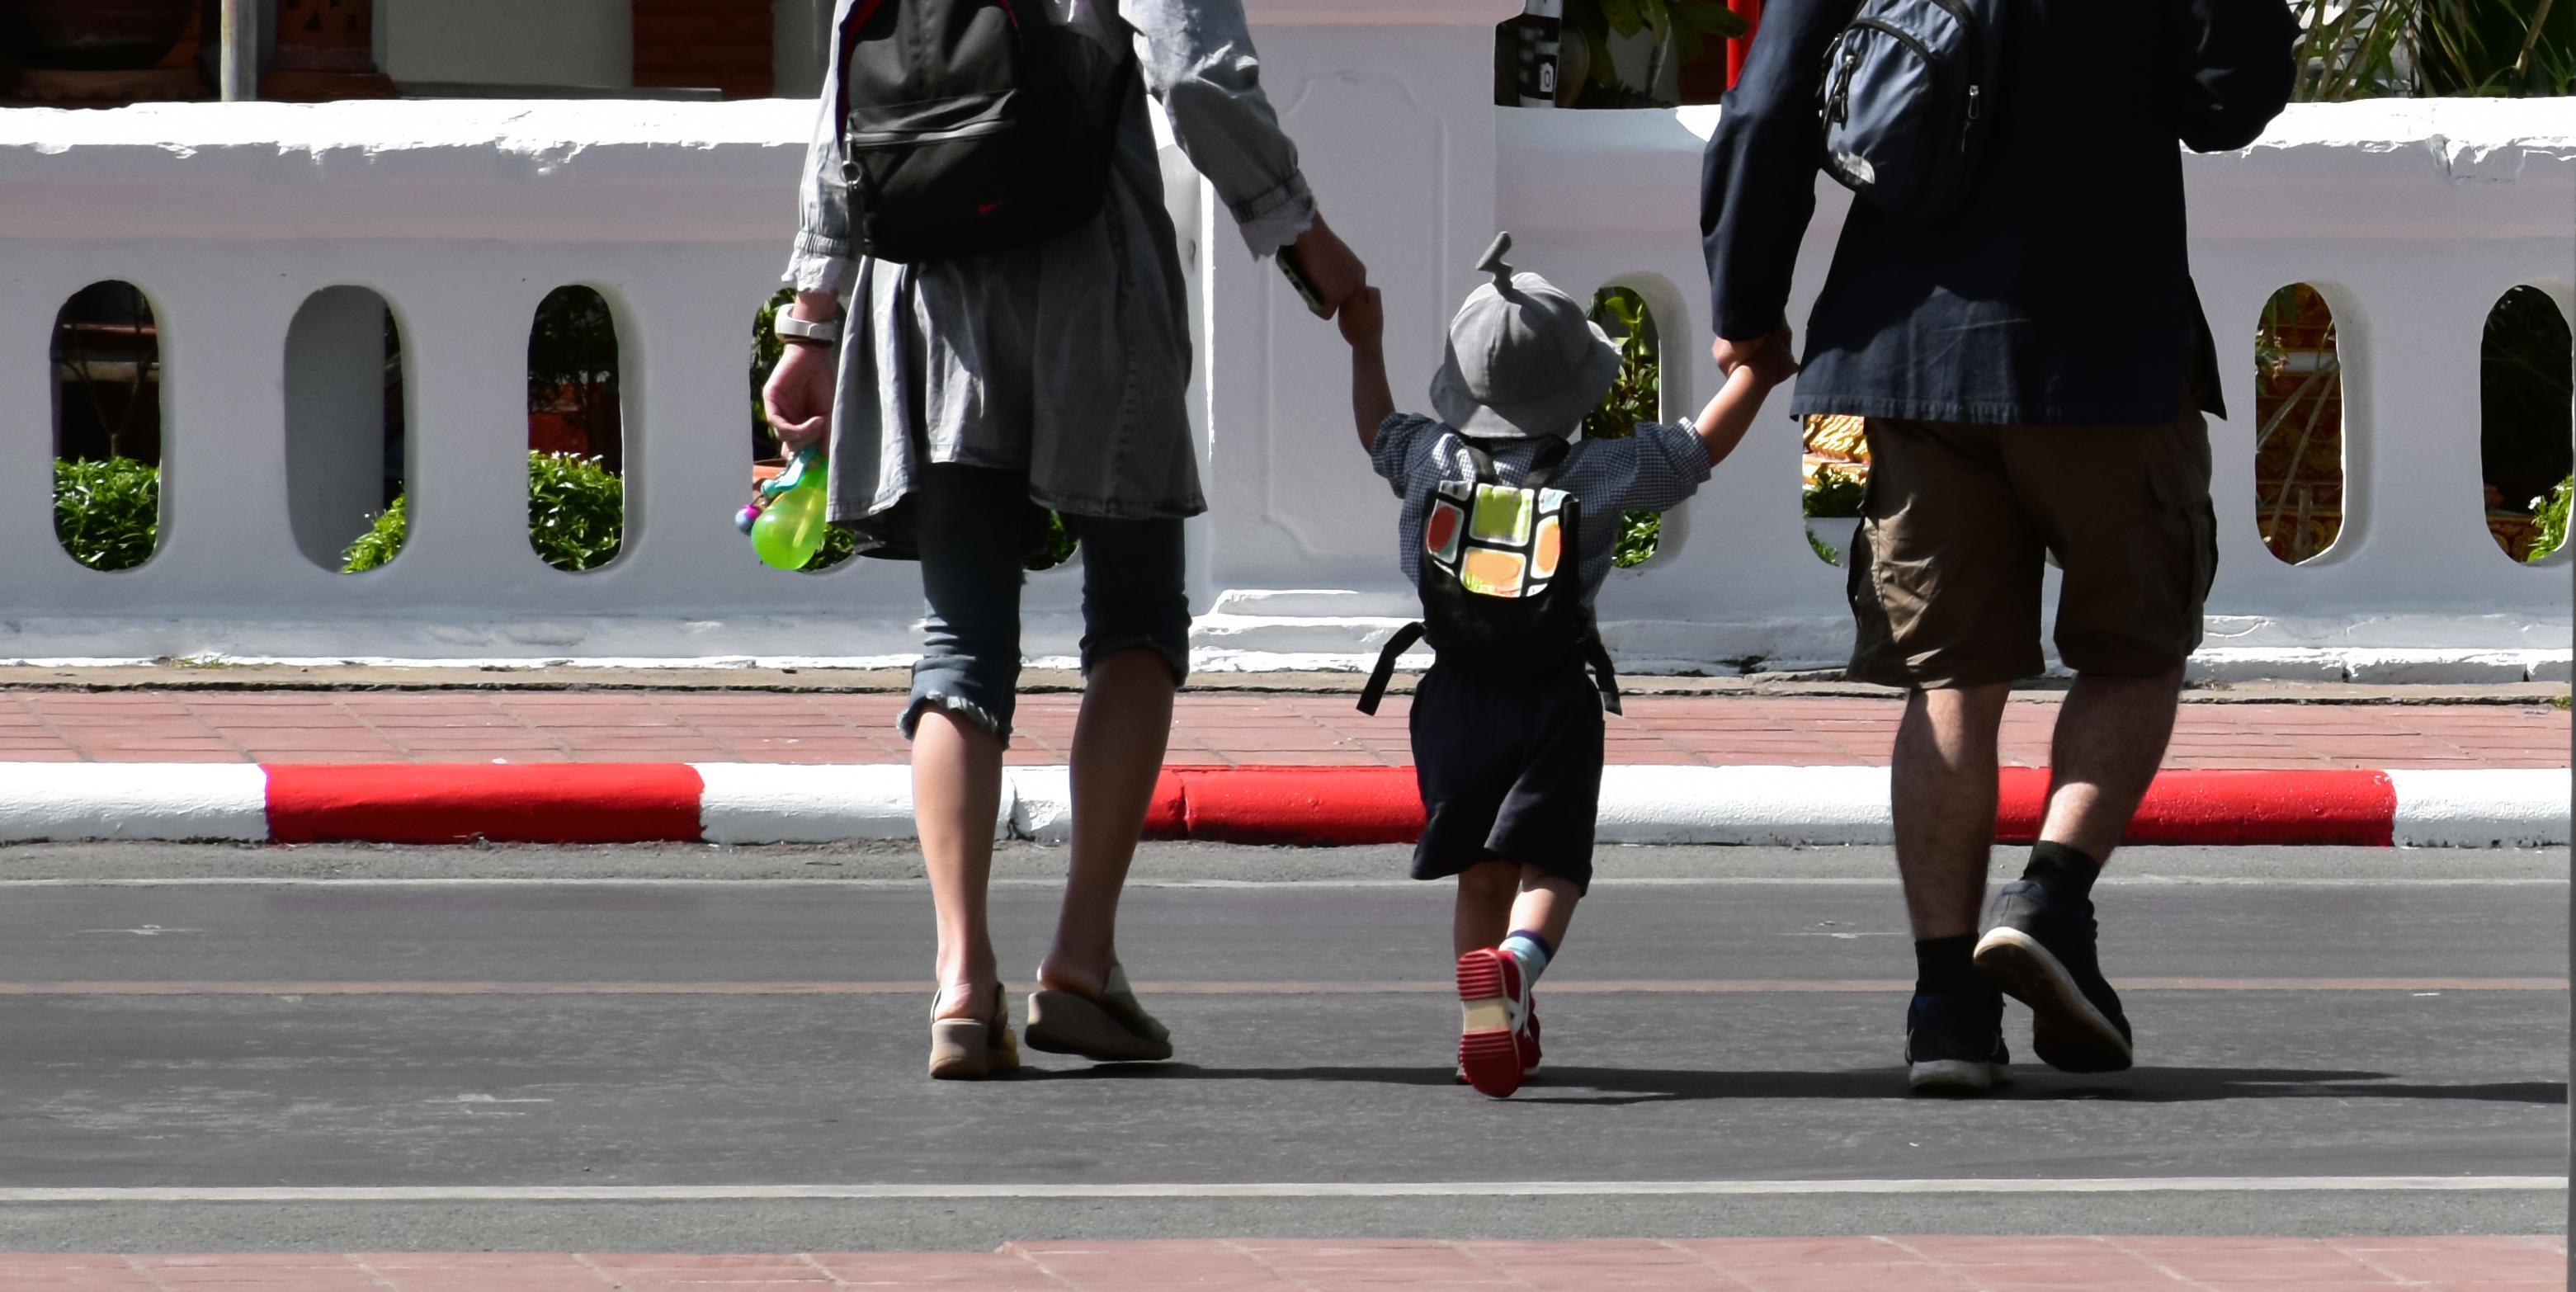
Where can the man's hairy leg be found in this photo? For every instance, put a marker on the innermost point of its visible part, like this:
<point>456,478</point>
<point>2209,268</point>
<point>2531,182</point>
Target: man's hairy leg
<point>1944,804</point>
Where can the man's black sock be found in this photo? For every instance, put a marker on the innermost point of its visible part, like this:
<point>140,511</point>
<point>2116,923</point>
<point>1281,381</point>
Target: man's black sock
<point>1947,965</point>
<point>2065,872</point>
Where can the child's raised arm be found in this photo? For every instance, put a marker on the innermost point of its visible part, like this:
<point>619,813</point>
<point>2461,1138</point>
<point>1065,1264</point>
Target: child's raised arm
<point>1363,320</point>
<point>1722,424</point>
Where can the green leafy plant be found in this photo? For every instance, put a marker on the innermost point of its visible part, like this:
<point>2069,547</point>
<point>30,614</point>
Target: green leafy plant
<point>2550,513</point>
<point>1681,27</point>
<point>576,517</point>
<point>576,510</point>
<point>1640,533</point>
<point>382,542</point>
<point>1636,396</point>
<point>1824,551</point>
<point>107,513</point>
<point>1836,495</point>
<point>2355,49</point>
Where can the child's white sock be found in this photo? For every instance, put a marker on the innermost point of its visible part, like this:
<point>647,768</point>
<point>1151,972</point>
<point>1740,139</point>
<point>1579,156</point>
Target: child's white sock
<point>1531,950</point>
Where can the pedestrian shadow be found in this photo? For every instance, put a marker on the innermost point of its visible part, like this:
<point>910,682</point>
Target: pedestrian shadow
<point>1615,1087</point>
<point>2030,1083</point>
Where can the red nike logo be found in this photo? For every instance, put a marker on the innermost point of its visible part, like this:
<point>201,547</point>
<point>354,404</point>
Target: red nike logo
<point>988,208</point>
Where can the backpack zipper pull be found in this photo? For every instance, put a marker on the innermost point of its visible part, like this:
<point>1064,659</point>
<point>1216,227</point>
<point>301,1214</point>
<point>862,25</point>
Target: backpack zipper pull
<point>1970,128</point>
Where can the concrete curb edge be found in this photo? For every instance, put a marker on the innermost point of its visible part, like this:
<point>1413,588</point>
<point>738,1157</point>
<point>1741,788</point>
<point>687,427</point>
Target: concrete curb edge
<point>746,803</point>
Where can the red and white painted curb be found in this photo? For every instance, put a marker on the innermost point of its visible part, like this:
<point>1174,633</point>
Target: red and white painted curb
<point>763,803</point>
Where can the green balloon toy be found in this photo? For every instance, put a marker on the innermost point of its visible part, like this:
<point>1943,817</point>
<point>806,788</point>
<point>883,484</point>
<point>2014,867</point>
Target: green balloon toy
<point>786,522</point>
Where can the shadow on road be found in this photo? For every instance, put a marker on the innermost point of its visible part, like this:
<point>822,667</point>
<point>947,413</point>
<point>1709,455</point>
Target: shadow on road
<point>1617,1086</point>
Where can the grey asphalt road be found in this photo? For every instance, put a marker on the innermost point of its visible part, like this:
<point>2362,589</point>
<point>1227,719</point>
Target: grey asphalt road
<point>738,1023</point>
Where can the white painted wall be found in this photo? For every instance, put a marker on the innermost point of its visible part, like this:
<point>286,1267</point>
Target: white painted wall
<point>2413,217</point>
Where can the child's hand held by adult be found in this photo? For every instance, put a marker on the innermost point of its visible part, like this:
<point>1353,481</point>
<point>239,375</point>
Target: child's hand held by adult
<point>1777,361</point>
<point>1363,319</point>
<point>1731,354</point>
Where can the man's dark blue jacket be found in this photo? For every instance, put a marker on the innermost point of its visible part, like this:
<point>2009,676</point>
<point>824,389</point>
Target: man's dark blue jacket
<point>2059,293</point>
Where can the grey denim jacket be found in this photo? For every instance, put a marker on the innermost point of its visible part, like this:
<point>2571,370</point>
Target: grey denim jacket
<point>1070,357</point>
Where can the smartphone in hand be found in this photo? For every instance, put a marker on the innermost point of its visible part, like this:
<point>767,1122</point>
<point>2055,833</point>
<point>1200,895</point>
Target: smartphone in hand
<point>1296,274</point>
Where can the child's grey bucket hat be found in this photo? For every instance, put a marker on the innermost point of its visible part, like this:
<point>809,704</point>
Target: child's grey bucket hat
<point>1524,361</point>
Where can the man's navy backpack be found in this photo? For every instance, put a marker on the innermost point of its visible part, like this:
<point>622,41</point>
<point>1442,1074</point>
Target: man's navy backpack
<point>963,130</point>
<point>1909,100</point>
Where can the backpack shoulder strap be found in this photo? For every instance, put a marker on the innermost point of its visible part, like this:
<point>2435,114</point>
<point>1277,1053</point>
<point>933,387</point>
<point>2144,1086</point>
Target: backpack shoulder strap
<point>1484,462</point>
<point>1385,671</point>
<point>1605,675</point>
<point>859,16</point>
<point>1543,468</point>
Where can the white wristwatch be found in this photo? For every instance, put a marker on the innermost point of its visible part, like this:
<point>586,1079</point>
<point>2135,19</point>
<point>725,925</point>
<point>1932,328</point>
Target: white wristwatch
<point>788,327</point>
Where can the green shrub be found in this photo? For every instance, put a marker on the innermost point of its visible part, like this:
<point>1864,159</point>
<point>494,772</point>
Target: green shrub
<point>1836,495</point>
<point>382,542</point>
<point>576,511</point>
<point>1639,534</point>
<point>108,514</point>
<point>1636,396</point>
<point>2551,513</point>
<point>576,517</point>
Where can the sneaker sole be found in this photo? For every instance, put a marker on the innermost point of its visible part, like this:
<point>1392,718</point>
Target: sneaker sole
<point>1486,1052</point>
<point>1951,1077</point>
<point>2066,1031</point>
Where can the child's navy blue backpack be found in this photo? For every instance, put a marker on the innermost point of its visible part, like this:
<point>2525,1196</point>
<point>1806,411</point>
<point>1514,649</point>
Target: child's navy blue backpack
<point>1909,100</point>
<point>1501,585</point>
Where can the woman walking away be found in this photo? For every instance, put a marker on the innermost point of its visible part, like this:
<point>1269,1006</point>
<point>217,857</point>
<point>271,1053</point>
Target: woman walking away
<point>983,188</point>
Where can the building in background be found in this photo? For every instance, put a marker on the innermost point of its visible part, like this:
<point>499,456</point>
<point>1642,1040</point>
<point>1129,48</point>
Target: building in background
<point>105,52</point>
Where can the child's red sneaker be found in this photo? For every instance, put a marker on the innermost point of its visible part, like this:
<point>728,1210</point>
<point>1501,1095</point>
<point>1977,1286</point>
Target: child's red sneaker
<point>1494,1001</point>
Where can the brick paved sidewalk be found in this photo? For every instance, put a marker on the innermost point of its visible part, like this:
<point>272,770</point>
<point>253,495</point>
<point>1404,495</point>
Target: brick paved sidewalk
<point>1213,728</point>
<point>1712,1265</point>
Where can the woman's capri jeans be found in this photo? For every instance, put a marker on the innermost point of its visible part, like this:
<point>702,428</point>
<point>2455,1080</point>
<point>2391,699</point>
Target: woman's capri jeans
<point>1134,593</point>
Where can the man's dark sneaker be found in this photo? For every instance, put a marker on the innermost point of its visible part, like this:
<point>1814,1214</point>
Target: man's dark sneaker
<point>1954,1042</point>
<point>2040,950</point>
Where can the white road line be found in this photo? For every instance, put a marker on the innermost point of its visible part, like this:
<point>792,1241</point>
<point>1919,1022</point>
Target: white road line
<point>1321,1190</point>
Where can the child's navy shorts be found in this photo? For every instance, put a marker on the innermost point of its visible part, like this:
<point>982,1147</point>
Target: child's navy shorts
<point>1510,769</point>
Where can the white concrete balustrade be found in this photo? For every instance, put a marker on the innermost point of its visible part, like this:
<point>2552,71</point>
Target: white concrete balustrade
<point>2411,217</point>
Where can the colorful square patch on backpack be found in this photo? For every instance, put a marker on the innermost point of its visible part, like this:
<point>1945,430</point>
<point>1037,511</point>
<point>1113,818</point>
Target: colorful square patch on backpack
<point>1496,540</point>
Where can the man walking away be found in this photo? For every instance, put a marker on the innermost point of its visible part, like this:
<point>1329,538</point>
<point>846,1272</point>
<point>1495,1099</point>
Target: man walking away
<point>2034,364</point>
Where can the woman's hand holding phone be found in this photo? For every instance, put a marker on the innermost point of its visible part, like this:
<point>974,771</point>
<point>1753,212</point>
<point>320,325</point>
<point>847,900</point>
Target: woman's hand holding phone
<point>1328,272</point>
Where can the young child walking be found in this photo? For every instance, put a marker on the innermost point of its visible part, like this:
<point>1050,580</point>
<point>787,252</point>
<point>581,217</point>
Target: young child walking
<point>1499,493</point>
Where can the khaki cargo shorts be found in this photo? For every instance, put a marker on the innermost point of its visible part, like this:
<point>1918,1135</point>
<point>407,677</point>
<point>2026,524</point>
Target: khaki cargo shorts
<point>1945,572</point>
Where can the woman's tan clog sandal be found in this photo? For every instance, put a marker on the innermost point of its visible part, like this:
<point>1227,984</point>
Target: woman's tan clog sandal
<point>1112,1028</point>
<point>967,1049</point>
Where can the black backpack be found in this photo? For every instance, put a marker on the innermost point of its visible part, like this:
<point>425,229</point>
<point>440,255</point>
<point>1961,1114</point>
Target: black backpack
<point>1502,584</point>
<point>963,130</point>
<point>1909,101</point>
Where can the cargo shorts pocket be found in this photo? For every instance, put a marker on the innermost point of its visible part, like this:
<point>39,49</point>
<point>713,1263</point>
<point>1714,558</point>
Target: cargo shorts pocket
<point>2181,484</point>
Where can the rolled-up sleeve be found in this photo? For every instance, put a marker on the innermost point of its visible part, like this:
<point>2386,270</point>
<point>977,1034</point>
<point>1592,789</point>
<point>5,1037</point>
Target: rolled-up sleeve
<point>1202,67</point>
<point>824,258</point>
